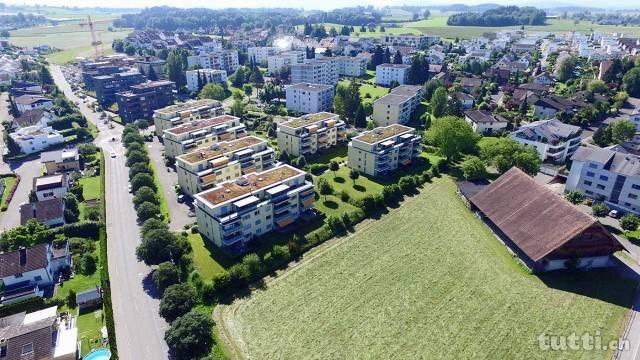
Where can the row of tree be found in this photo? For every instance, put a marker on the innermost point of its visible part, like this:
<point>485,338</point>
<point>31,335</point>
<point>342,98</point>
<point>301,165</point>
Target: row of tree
<point>501,16</point>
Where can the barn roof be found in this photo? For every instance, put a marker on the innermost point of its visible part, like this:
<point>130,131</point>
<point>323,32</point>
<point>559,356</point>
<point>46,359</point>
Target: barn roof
<point>535,218</point>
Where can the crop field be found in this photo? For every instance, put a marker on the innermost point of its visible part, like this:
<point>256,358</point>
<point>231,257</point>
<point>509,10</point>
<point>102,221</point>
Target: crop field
<point>429,279</point>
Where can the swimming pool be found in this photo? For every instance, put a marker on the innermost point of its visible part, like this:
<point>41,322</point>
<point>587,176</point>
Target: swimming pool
<point>98,354</point>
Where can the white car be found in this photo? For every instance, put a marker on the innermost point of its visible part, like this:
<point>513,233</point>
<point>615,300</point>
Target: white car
<point>129,187</point>
<point>113,154</point>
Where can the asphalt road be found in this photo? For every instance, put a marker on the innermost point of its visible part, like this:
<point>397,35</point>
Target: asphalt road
<point>139,328</point>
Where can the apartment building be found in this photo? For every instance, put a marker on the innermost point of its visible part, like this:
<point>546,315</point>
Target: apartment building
<point>397,106</point>
<point>199,133</point>
<point>202,168</point>
<point>276,63</point>
<point>606,175</point>
<point>260,54</point>
<point>485,122</point>
<point>420,41</point>
<point>219,59</point>
<point>382,150</point>
<point>36,138</point>
<point>309,98</point>
<point>554,140</point>
<point>309,134</point>
<point>352,66</point>
<point>315,71</point>
<point>388,73</point>
<point>150,65</point>
<point>234,212</point>
<point>197,78</point>
<point>107,86</point>
<point>174,115</point>
<point>143,99</point>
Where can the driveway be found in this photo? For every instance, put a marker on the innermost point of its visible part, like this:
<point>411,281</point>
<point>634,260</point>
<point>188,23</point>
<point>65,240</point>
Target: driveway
<point>139,328</point>
<point>28,170</point>
<point>178,213</point>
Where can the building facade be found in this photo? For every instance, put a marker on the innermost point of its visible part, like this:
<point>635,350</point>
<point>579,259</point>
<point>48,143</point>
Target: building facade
<point>485,122</point>
<point>276,63</point>
<point>388,73</point>
<point>174,115</point>
<point>382,150</point>
<point>554,140</point>
<point>199,133</point>
<point>309,98</point>
<point>397,106</point>
<point>195,78</point>
<point>36,138</point>
<point>202,168</point>
<point>352,66</point>
<point>219,59</point>
<point>107,86</point>
<point>142,100</point>
<point>315,71</point>
<point>234,212</point>
<point>260,54</point>
<point>311,133</point>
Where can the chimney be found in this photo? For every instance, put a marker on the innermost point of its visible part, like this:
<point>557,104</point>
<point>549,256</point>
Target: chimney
<point>23,256</point>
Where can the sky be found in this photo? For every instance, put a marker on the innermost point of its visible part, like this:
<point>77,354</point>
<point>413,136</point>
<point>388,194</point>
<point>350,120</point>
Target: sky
<point>307,4</point>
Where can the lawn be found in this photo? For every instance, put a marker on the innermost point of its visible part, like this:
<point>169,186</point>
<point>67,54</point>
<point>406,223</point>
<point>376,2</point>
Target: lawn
<point>89,330</point>
<point>9,183</point>
<point>164,207</point>
<point>90,187</point>
<point>430,279</point>
<point>374,91</point>
<point>203,260</point>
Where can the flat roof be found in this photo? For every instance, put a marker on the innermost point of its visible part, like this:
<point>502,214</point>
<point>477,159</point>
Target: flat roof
<point>231,190</point>
<point>392,99</point>
<point>211,152</point>
<point>382,133</point>
<point>311,87</point>
<point>399,66</point>
<point>308,119</point>
<point>201,124</point>
<point>49,180</point>
<point>187,105</point>
<point>152,84</point>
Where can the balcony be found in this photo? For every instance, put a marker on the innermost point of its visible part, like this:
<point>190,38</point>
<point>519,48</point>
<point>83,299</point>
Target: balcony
<point>233,238</point>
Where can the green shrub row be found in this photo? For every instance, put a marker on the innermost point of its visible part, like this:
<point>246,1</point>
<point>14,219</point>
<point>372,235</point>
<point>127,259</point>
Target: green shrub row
<point>12,192</point>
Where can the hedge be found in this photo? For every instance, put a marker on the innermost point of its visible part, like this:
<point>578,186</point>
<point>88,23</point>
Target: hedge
<point>12,191</point>
<point>84,229</point>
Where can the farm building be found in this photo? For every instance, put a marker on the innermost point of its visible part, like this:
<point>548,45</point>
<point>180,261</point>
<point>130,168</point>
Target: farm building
<point>543,229</point>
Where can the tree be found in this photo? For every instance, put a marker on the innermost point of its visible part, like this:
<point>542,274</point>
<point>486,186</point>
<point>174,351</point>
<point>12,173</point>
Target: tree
<point>165,275</point>
<point>430,87</point>
<point>426,14</point>
<point>597,87</point>
<point>622,130</point>
<point>473,168</point>
<point>153,224</point>
<point>360,117</point>
<point>71,211</point>
<point>212,91</point>
<point>347,100</point>
<point>378,56</point>
<point>177,300</point>
<point>419,69</point>
<point>175,69</point>
<point>631,82</point>
<point>603,136</point>
<point>334,166</point>
<point>148,210</point>
<point>566,69</point>
<point>387,56</point>
<point>505,153</point>
<point>237,109</point>
<point>142,124</point>
<point>71,299</point>
<point>82,134</point>
<point>574,197</point>
<point>452,136</point>
<point>629,222</point>
<point>599,210</point>
<point>145,194</point>
<point>140,180</point>
<point>397,57</point>
<point>189,336</point>
<point>248,89</point>
<point>130,49</point>
<point>238,78</point>
<point>324,187</point>
<point>87,264</point>
<point>160,245</point>
<point>151,75</point>
<point>438,102</point>
<point>45,76</point>
<point>139,168</point>
<point>354,175</point>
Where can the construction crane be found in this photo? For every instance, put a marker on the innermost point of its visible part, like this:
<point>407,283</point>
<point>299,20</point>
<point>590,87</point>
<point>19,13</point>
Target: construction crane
<point>94,39</point>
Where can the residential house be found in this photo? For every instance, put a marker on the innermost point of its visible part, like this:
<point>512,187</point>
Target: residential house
<point>202,168</point>
<point>542,228</point>
<point>554,140</point>
<point>51,186</point>
<point>548,106</point>
<point>59,161</point>
<point>50,212</point>
<point>36,138</point>
<point>200,133</point>
<point>468,84</point>
<point>38,117</point>
<point>543,78</point>
<point>382,150</point>
<point>234,212</point>
<point>142,100</point>
<point>485,122</point>
<point>311,133</point>
<point>32,102</point>
<point>309,98</point>
<point>174,115</point>
<point>388,73</point>
<point>466,101</point>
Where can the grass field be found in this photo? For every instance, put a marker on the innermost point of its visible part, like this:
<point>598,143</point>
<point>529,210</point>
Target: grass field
<point>203,262</point>
<point>429,279</point>
<point>164,206</point>
<point>90,187</point>
<point>9,183</point>
<point>89,334</point>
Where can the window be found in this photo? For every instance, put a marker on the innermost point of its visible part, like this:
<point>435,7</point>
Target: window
<point>604,178</point>
<point>600,187</point>
<point>593,166</point>
<point>37,278</point>
<point>27,349</point>
<point>590,174</point>
<point>589,192</point>
<point>588,183</point>
<point>635,187</point>
<point>633,196</point>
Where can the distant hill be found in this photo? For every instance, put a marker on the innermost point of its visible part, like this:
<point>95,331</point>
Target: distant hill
<point>466,8</point>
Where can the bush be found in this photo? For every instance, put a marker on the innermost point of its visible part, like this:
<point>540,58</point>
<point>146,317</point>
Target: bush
<point>71,299</point>
<point>92,214</point>
<point>165,275</point>
<point>600,210</point>
<point>344,196</point>
<point>87,264</point>
<point>176,301</point>
<point>574,197</point>
<point>317,169</point>
<point>85,229</point>
<point>629,222</point>
<point>335,224</point>
<point>473,168</point>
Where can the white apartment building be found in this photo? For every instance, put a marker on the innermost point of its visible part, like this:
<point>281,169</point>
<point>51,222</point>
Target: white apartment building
<point>260,54</point>
<point>311,133</point>
<point>383,149</point>
<point>387,73</point>
<point>199,133</point>
<point>315,71</point>
<point>309,98</point>
<point>234,212</point>
<point>202,168</point>
<point>420,41</point>
<point>206,76</point>
<point>554,140</point>
<point>36,138</point>
<point>219,59</point>
<point>397,106</point>
<point>174,115</point>
<point>606,175</point>
<point>276,63</point>
<point>485,122</point>
<point>352,66</point>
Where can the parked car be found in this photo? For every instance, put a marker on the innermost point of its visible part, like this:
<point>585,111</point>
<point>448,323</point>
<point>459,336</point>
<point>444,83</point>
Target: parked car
<point>180,198</point>
<point>614,214</point>
<point>113,154</point>
<point>129,186</point>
